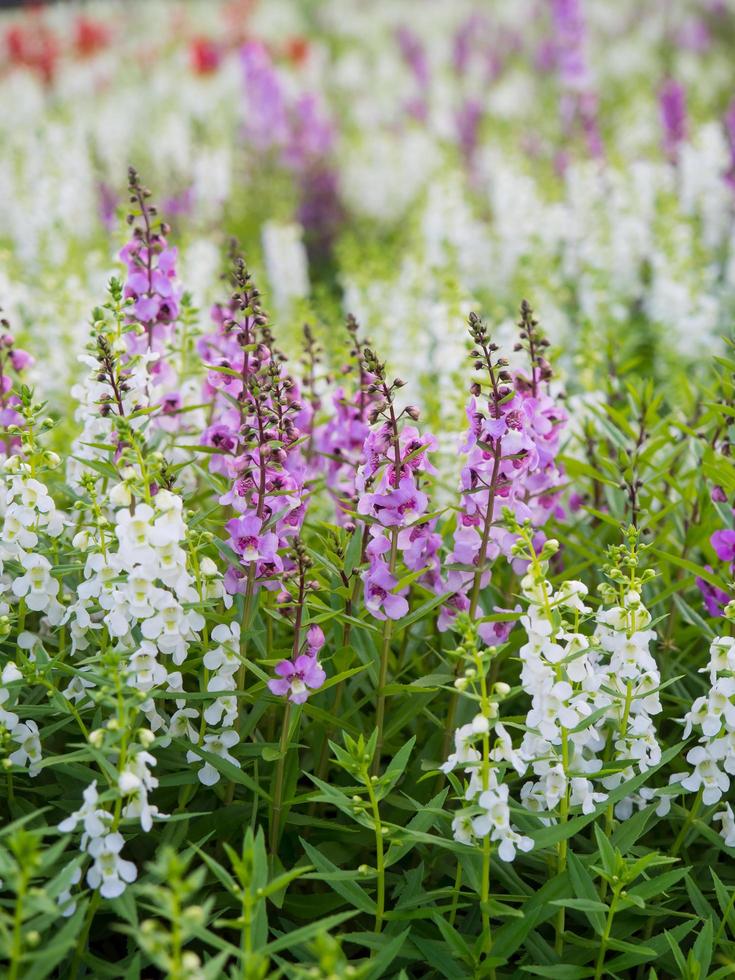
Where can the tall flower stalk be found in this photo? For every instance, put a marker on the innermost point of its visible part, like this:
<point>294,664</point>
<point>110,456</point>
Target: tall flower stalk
<point>390,503</point>
<point>510,446</point>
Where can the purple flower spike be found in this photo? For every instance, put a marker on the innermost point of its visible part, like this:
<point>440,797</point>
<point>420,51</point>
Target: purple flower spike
<point>672,105</point>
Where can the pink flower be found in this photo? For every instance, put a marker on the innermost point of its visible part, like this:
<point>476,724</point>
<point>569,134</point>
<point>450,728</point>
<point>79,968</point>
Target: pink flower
<point>714,599</point>
<point>314,640</point>
<point>380,599</point>
<point>297,679</point>
<point>248,541</point>
<point>397,508</point>
<point>724,544</point>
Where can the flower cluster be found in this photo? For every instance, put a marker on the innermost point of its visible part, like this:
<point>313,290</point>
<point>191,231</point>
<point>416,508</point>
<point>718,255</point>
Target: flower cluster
<point>12,358</point>
<point>100,815</point>
<point>302,674</point>
<point>716,600</point>
<point>627,678</point>
<point>142,593</point>
<point>24,748</point>
<point>151,280</point>
<point>590,696</point>
<point>558,674</point>
<point>712,718</point>
<point>579,98</point>
<point>257,436</point>
<point>29,514</point>
<point>300,135</point>
<point>341,439</point>
<point>486,814</point>
<point>511,447</point>
<point>391,500</point>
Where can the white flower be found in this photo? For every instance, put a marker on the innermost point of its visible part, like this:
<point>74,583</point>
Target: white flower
<point>706,775</point>
<point>583,794</point>
<point>495,822</point>
<point>29,747</point>
<point>65,901</point>
<point>503,750</point>
<point>570,595</point>
<point>462,827</point>
<point>217,745</point>
<point>496,815</point>
<point>110,873</point>
<point>134,533</point>
<point>145,671</point>
<point>480,724</point>
<point>120,495</point>
<point>11,673</point>
<point>722,656</point>
<point>727,830</point>
<point>464,751</point>
<point>37,586</point>
<point>94,819</point>
<point>181,725</point>
<point>510,840</point>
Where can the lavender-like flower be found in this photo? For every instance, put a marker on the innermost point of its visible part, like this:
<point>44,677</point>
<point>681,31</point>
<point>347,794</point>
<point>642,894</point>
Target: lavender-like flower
<point>255,428</point>
<point>341,439</point>
<point>300,135</point>
<point>730,131</point>
<point>414,55</point>
<point>266,126</point>
<point>151,280</point>
<point>510,447</point>
<point>672,107</point>
<point>390,496</point>
<point>14,359</point>
<point>579,98</point>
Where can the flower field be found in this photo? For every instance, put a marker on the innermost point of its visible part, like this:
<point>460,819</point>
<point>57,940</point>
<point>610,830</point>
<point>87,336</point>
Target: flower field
<point>367,536</point>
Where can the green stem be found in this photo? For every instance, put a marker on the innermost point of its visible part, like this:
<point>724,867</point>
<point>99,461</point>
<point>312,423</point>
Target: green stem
<point>475,596</point>
<point>384,654</point>
<point>457,889</point>
<point>380,858</point>
<point>686,826</point>
<point>246,943</point>
<point>487,936</point>
<point>485,709</point>
<point>83,936</point>
<point>16,949</point>
<point>562,846</point>
<point>177,970</point>
<point>278,791</point>
<point>605,938</point>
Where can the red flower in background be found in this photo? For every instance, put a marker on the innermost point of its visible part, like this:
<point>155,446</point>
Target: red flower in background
<point>90,36</point>
<point>33,45</point>
<point>205,55</point>
<point>296,49</point>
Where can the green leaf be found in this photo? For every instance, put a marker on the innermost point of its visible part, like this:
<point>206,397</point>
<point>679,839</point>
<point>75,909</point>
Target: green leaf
<point>584,889</point>
<point>395,768</point>
<point>349,890</point>
<point>296,936</point>
<point>380,963</point>
<point>702,949</point>
<point>453,939</point>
